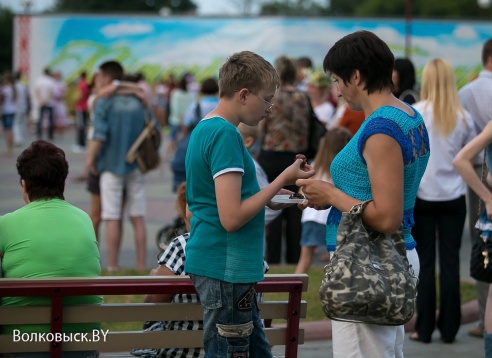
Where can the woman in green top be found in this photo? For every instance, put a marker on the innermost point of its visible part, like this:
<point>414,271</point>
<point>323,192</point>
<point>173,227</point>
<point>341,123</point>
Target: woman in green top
<point>48,237</point>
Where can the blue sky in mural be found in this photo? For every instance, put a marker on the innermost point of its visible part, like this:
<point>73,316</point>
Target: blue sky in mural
<point>197,42</point>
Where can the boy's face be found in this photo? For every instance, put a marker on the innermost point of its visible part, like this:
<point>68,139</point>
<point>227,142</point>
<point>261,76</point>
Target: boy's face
<point>259,105</point>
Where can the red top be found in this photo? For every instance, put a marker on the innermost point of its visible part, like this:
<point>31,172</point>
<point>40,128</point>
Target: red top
<point>84,93</point>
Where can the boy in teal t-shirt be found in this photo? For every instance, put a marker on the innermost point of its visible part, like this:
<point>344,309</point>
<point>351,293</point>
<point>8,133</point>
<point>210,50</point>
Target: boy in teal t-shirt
<point>225,249</point>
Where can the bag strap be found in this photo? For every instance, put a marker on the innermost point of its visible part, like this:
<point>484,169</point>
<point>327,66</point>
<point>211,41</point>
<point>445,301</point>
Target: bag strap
<point>358,208</point>
<point>482,178</point>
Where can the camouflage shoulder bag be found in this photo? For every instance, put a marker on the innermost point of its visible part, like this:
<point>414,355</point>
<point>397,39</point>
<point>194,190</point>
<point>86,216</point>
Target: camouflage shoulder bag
<point>368,279</point>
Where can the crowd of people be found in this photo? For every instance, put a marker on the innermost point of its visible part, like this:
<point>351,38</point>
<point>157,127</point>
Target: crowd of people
<point>235,143</point>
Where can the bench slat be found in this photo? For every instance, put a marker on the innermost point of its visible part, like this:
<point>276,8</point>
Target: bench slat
<point>130,312</point>
<point>117,342</point>
<point>87,281</point>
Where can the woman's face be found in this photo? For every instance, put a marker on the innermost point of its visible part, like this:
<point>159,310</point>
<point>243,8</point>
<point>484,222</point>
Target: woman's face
<point>347,91</point>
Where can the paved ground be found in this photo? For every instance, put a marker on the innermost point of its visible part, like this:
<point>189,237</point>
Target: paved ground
<point>161,211</point>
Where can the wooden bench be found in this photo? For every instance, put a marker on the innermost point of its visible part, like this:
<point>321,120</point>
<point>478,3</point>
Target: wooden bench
<point>292,309</point>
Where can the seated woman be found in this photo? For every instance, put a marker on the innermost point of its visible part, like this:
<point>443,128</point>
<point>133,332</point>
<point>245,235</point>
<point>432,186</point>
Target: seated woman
<point>48,237</point>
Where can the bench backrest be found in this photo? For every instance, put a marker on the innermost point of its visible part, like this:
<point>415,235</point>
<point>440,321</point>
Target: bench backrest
<point>292,309</point>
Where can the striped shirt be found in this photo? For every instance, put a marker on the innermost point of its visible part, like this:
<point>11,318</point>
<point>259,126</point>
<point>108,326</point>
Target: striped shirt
<point>174,259</point>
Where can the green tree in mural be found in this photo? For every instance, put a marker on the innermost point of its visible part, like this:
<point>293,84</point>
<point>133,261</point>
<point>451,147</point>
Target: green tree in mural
<point>125,6</point>
<point>6,31</point>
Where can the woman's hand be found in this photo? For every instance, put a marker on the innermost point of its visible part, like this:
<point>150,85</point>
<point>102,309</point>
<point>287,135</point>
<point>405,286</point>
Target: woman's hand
<point>488,208</point>
<point>317,193</point>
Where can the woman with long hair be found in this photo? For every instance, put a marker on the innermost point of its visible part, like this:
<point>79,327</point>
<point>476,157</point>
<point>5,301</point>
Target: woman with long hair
<point>440,207</point>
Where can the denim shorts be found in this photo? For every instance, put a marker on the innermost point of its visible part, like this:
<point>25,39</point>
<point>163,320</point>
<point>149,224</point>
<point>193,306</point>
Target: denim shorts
<point>8,121</point>
<point>313,234</point>
<point>231,322</point>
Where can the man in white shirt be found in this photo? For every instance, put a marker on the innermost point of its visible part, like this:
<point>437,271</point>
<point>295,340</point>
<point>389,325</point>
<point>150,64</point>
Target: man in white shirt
<point>476,98</point>
<point>44,91</point>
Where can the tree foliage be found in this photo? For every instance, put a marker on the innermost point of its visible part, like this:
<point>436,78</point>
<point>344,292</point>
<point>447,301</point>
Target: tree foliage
<point>293,8</point>
<point>125,6</point>
<point>450,9</point>
<point>6,35</point>
<point>422,8</point>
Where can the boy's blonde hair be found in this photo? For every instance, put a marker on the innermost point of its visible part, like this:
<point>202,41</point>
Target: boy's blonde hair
<point>249,70</point>
<point>248,131</point>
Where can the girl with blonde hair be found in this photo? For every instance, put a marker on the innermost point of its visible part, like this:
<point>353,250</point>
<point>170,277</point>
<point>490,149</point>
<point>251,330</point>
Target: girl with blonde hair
<point>440,207</point>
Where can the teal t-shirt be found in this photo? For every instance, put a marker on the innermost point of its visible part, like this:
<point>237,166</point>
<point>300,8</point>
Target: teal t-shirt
<point>49,238</point>
<point>215,148</point>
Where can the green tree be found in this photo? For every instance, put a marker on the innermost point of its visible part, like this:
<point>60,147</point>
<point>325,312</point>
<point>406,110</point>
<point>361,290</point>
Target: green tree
<point>343,7</point>
<point>121,6</point>
<point>456,9</point>
<point>293,8</point>
<point>6,35</point>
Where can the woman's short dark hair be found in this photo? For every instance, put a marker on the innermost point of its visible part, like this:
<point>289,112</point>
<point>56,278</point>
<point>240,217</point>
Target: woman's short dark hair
<point>44,169</point>
<point>363,51</point>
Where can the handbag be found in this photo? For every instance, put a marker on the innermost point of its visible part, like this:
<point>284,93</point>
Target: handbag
<point>368,279</point>
<point>145,149</point>
<point>316,131</point>
<point>481,252</point>
<point>480,261</point>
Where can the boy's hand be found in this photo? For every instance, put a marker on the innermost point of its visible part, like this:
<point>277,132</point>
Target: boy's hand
<point>303,158</point>
<point>299,170</point>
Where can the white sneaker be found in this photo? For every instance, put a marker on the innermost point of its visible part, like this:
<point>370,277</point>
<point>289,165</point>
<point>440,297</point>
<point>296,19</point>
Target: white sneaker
<point>78,149</point>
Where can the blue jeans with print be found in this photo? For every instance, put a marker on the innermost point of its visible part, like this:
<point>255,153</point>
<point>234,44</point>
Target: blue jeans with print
<point>231,322</point>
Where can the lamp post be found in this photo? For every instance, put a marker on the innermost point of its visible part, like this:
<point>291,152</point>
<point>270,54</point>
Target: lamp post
<point>27,6</point>
<point>484,5</point>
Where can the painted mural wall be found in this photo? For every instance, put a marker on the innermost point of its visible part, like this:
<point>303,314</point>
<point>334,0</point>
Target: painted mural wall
<point>159,46</point>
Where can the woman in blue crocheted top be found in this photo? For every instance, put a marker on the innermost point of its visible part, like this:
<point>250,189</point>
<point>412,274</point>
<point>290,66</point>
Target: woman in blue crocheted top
<point>384,161</point>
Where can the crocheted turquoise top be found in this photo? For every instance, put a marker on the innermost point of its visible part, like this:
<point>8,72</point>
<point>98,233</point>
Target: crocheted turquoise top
<point>349,170</point>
